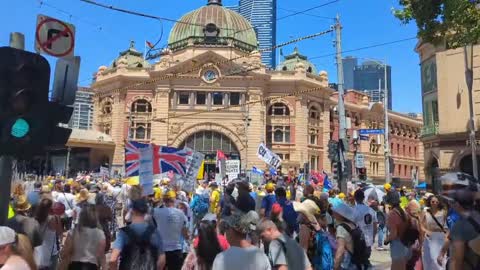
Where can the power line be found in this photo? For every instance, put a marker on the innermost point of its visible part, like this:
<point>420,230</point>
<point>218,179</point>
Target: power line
<point>136,13</point>
<point>308,9</point>
<point>308,14</point>
<point>366,47</point>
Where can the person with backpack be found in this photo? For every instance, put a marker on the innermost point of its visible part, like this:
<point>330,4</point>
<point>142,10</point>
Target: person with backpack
<point>366,219</point>
<point>268,200</point>
<point>138,245</point>
<point>283,251</point>
<point>397,224</point>
<point>199,205</point>
<point>288,214</point>
<point>352,252</point>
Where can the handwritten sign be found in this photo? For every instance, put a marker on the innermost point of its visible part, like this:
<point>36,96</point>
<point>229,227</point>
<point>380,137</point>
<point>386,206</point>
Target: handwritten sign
<point>268,156</point>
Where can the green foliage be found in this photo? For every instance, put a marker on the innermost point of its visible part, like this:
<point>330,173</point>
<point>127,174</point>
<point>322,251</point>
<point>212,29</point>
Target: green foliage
<point>456,22</point>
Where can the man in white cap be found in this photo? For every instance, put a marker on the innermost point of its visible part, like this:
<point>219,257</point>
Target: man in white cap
<point>10,258</point>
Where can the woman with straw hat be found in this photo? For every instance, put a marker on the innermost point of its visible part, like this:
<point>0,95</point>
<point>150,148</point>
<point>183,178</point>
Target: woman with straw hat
<point>22,223</point>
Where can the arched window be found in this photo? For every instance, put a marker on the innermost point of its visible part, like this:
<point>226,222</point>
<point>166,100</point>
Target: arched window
<point>279,109</point>
<point>284,68</point>
<point>141,106</point>
<point>309,69</point>
<point>314,113</point>
<point>107,108</point>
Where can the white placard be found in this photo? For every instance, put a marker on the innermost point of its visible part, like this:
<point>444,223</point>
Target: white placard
<point>232,169</point>
<point>145,169</point>
<point>193,164</point>
<point>359,161</point>
<point>268,156</point>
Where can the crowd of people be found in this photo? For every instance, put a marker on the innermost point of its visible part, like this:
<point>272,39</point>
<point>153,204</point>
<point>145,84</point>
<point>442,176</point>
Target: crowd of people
<point>86,223</point>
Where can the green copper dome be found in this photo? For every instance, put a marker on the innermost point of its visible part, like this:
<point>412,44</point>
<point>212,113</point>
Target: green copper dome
<point>130,58</point>
<point>213,25</point>
<point>291,60</point>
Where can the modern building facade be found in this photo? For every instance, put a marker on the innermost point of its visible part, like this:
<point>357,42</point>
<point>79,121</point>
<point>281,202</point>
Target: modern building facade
<point>446,109</point>
<point>195,96</point>
<point>262,14</point>
<point>82,117</point>
<point>368,77</point>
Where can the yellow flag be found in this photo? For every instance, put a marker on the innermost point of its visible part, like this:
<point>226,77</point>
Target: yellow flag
<point>201,171</point>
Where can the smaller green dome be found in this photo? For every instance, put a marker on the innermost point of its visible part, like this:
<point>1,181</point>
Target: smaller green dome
<point>291,60</point>
<point>130,58</point>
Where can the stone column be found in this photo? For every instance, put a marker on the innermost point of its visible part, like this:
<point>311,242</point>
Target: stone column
<point>161,106</point>
<point>301,130</point>
<point>119,125</point>
<point>256,131</point>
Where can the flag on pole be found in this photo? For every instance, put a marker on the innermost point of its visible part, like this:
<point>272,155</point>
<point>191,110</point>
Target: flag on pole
<point>221,164</point>
<point>149,44</point>
<point>201,175</point>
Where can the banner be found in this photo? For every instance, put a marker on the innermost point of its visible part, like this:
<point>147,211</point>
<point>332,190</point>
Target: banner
<point>232,169</point>
<point>268,156</point>
<point>104,171</point>
<point>193,164</point>
<point>145,169</point>
<point>221,158</point>
<point>201,171</point>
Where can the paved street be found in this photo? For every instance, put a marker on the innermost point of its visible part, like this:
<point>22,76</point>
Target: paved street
<point>380,259</point>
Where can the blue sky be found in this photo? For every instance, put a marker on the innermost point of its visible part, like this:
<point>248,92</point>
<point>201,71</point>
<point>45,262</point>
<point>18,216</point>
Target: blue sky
<point>102,33</point>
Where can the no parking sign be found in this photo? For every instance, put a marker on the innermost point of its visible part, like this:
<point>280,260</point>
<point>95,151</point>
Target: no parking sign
<point>54,37</point>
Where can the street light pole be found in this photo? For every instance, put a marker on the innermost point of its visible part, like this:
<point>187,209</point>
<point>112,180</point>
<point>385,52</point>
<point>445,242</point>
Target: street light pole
<point>469,80</point>
<point>386,139</point>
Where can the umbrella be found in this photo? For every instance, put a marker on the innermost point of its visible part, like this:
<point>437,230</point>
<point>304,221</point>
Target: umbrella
<point>372,192</point>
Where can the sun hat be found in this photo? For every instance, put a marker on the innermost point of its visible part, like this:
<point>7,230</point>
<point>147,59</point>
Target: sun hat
<point>344,210</point>
<point>21,204</point>
<point>83,195</point>
<point>269,187</point>
<point>7,236</point>
<point>341,195</point>
<point>460,187</point>
<point>387,186</point>
<point>309,208</point>
<point>170,195</point>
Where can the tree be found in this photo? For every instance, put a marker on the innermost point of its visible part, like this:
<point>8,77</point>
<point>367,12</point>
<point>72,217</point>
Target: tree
<point>456,22</point>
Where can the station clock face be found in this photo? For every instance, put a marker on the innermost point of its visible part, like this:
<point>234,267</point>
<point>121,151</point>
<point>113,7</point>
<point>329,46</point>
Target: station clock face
<point>210,75</point>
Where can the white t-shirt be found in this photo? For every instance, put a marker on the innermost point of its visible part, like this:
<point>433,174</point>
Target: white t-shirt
<point>365,217</point>
<point>85,244</point>
<point>68,200</point>
<point>15,263</point>
<point>236,258</point>
<point>170,222</point>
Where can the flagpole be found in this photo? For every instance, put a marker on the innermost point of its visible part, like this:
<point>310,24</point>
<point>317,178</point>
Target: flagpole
<point>145,50</point>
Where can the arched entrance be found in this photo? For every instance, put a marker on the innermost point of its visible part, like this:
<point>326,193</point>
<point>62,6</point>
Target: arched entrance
<point>466,164</point>
<point>208,142</point>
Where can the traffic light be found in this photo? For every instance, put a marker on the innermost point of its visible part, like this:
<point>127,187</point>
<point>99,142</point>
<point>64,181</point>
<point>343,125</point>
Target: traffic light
<point>362,174</point>
<point>333,151</point>
<point>28,121</point>
<point>335,171</point>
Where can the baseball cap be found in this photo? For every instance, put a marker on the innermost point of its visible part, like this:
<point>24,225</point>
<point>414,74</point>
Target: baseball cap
<point>7,235</point>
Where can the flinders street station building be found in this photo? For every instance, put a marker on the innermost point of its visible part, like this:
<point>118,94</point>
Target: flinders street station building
<point>210,91</point>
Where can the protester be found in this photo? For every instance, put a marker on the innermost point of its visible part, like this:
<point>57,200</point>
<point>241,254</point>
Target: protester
<point>351,250</point>
<point>366,219</point>
<point>459,191</point>
<point>23,223</point>
<point>288,212</point>
<point>137,237</point>
<point>283,252</point>
<point>241,255</point>
<point>382,223</point>
<point>84,247</point>
<point>172,226</point>
<point>33,196</point>
<point>397,224</point>
<point>306,219</point>
<point>46,255</point>
<point>214,198</point>
<point>205,247</point>
<point>68,200</point>
<point>433,224</point>
<point>268,200</point>
<point>81,201</point>
<point>15,251</point>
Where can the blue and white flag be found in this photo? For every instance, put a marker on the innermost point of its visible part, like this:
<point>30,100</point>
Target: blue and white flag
<point>326,183</point>
<point>256,170</point>
<point>273,171</point>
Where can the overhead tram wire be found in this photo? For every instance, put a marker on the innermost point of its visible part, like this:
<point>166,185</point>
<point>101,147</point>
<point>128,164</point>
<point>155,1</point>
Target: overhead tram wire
<point>308,14</point>
<point>366,47</point>
<point>136,13</point>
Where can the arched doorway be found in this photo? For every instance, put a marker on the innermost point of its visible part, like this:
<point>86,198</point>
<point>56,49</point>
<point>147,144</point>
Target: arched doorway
<point>208,142</point>
<point>466,164</point>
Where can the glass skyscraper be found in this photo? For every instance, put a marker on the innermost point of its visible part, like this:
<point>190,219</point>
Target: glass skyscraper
<point>262,14</point>
<point>82,117</point>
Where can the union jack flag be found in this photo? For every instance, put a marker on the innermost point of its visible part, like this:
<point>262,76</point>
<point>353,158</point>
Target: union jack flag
<point>132,157</point>
<point>168,159</point>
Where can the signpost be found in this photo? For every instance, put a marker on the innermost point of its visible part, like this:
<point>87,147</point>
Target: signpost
<point>371,131</point>
<point>54,37</point>
<point>66,80</point>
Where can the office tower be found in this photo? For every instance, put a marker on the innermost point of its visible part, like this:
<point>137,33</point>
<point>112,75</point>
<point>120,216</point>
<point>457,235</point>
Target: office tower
<point>262,14</point>
<point>370,77</point>
<point>82,117</point>
<point>349,64</point>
